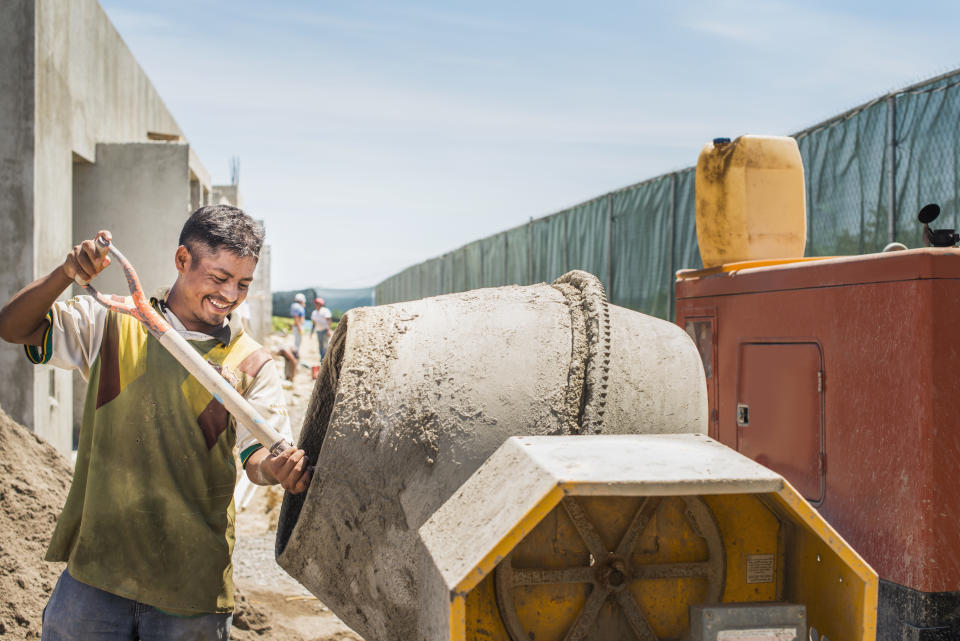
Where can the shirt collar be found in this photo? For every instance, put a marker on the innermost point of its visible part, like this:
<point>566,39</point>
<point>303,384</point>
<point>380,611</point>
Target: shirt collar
<point>223,334</point>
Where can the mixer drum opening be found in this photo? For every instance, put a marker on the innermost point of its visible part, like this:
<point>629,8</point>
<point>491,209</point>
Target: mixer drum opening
<point>317,416</point>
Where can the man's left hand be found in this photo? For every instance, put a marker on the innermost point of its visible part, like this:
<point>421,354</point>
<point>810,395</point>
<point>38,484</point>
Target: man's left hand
<point>290,469</point>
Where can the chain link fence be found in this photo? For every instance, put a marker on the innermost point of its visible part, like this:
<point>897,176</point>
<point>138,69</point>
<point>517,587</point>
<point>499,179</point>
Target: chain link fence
<point>868,172</point>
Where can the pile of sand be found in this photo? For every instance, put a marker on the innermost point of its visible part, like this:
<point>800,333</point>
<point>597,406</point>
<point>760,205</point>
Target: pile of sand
<point>34,479</point>
<point>249,621</point>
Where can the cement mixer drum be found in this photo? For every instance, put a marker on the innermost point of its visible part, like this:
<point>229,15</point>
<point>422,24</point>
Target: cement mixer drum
<point>413,397</point>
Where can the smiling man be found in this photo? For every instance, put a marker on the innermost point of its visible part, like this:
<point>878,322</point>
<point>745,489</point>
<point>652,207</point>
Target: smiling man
<point>147,530</point>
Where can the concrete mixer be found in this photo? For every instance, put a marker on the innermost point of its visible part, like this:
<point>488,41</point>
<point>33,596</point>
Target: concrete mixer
<point>528,463</point>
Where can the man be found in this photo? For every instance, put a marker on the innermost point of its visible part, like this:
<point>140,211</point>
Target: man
<point>147,530</point>
<point>322,322</point>
<point>298,311</point>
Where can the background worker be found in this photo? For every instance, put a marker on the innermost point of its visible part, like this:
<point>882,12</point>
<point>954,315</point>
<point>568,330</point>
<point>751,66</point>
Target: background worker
<point>147,529</point>
<point>322,322</point>
<point>298,311</point>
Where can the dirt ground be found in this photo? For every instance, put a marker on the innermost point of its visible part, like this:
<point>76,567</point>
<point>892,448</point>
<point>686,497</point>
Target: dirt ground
<point>291,612</point>
<point>271,606</point>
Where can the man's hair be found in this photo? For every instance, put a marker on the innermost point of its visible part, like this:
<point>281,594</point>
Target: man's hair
<point>222,227</point>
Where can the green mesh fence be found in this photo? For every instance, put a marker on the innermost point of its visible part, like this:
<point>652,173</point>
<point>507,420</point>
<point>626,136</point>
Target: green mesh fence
<point>868,172</point>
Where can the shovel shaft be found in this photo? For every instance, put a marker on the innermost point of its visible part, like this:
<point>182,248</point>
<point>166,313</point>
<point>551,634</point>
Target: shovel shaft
<point>214,383</point>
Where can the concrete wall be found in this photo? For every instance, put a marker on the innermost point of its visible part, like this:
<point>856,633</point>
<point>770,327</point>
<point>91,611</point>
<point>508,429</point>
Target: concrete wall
<point>141,193</point>
<point>67,83</point>
<point>227,195</point>
<point>17,76</point>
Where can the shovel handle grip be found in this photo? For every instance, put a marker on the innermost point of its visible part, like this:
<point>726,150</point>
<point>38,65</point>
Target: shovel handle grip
<point>102,246</point>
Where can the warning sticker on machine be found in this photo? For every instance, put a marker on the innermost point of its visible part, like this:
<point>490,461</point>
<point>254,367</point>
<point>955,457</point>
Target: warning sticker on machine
<point>760,568</point>
<point>758,634</point>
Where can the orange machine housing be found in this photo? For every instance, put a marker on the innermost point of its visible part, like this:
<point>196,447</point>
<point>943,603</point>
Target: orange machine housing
<point>841,374</point>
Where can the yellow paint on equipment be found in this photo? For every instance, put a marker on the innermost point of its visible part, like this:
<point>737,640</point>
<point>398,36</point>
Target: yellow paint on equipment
<point>824,564</point>
<point>750,197</point>
<point>688,274</point>
<point>616,537</point>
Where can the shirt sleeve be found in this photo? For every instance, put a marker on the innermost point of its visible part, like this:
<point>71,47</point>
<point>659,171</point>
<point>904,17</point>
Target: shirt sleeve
<point>266,396</point>
<point>73,337</point>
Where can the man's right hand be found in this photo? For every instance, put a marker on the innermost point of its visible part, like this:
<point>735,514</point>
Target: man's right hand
<point>87,259</point>
<point>23,319</point>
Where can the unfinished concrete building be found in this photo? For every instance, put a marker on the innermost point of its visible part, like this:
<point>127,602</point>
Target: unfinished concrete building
<point>86,143</point>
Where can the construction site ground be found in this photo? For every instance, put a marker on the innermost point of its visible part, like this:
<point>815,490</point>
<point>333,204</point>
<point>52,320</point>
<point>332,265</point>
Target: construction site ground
<point>277,599</point>
<point>271,606</point>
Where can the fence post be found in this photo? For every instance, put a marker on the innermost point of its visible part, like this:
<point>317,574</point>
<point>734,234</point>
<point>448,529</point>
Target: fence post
<point>506,260</point>
<point>610,247</point>
<point>891,168</point>
<point>530,252</point>
<point>673,258</point>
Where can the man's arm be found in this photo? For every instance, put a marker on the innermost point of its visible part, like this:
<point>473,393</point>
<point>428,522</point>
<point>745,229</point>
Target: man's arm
<point>290,469</point>
<point>23,318</point>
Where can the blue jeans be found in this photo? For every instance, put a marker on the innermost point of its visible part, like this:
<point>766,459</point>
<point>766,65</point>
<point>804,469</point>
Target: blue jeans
<point>79,612</point>
<point>321,339</point>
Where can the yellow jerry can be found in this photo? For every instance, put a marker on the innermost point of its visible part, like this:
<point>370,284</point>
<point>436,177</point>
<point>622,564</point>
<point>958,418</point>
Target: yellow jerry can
<point>750,197</point>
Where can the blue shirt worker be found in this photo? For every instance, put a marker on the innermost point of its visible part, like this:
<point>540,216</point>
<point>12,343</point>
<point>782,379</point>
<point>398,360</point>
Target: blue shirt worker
<point>298,312</point>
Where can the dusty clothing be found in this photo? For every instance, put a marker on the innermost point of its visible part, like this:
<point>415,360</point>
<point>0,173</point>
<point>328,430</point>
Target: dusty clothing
<point>150,515</point>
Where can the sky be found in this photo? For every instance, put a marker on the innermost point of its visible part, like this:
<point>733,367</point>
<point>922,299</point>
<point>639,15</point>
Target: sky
<point>375,135</point>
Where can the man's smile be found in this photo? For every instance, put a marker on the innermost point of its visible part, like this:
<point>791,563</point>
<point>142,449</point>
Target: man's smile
<point>220,305</point>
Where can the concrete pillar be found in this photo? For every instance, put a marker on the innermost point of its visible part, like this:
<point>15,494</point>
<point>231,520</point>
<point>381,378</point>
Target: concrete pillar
<point>261,297</point>
<point>196,198</point>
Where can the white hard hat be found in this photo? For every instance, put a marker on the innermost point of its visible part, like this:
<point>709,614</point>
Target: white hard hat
<point>300,298</point>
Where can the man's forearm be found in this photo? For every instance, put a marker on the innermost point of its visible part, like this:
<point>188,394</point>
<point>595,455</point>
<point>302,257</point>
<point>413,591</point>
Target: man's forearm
<point>255,471</point>
<point>23,318</point>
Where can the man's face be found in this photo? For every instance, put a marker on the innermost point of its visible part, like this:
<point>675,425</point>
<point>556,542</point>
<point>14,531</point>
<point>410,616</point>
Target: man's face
<point>212,283</point>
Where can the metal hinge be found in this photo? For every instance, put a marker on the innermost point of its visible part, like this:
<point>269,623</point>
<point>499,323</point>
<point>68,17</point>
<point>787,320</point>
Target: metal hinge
<point>823,463</point>
<point>820,381</point>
